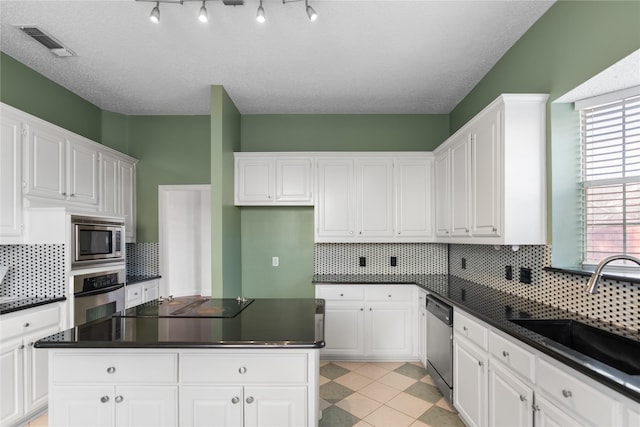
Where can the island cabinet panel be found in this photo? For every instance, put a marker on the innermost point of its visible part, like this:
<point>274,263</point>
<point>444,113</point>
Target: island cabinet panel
<point>116,368</point>
<point>212,406</point>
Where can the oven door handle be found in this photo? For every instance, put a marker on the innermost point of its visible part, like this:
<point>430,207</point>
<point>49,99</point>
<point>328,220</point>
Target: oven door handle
<point>99,291</point>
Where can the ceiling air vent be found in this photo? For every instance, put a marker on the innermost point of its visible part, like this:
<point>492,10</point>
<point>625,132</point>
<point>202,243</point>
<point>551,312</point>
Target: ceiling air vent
<point>47,41</point>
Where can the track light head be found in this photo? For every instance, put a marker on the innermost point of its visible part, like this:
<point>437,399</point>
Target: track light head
<point>155,14</point>
<point>260,16</point>
<point>202,16</point>
<point>310,12</point>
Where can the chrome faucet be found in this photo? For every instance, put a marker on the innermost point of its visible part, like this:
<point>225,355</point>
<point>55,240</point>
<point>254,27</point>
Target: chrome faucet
<point>592,284</point>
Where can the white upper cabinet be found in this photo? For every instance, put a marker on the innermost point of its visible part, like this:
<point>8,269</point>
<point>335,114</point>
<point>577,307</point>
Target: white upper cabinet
<point>374,197</point>
<point>127,188</point>
<point>414,198</point>
<point>46,162</point>
<point>83,173</point>
<point>496,181</point>
<point>264,179</point>
<point>109,179</point>
<point>11,134</point>
<point>335,205</point>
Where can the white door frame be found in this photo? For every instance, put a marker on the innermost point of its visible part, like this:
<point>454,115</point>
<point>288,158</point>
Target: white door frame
<point>163,190</point>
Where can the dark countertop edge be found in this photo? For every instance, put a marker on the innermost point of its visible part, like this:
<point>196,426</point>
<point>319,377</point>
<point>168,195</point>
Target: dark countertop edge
<point>254,345</point>
<point>30,304</point>
<point>586,273</point>
<point>618,386</point>
<point>137,279</point>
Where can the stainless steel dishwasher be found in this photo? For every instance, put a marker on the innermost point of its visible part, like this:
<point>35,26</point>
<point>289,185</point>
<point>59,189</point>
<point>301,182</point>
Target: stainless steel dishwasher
<point>440,345</point>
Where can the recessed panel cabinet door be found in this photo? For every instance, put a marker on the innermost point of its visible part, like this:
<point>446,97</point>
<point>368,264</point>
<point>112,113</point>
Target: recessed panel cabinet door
<point>335,206</point>
<point>374,189</point>
<point>510,399</point>
<point>388,329</point>
<point>344,330</point>
<point>10,176</point>
<point>211,406</point>
<point>46,163</point>
<point>414,197</point>
<point>11,372</point>
<point>293,181</point>
<point>460,186</point>
<point>275,406</point>
<point>152,406</point>
<point>86,406</point>
<point>83,174</point>
<point>128,199</point>
<point>37,368</point>
<point>443,195</point>
<point>254,179</point>
<point>470,383</point>
<point>110,191</point>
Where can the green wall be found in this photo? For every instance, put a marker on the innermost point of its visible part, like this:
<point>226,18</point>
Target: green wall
<point>572,42</point>
<point>226,272</point>
<point>349,132</point>
<point>171,150</point>
<point>27,90</point>
<point>115,131</point>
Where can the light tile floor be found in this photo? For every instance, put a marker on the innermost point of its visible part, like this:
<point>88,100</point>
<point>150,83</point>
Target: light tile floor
<point>381,394</point>
<point>378,394</point>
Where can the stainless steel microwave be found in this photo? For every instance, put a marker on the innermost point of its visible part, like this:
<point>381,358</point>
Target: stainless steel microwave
<point>96,241</point>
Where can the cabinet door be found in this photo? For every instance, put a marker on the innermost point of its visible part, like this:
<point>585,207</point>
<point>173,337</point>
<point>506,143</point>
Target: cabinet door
<point>110,191</point>
<point>414,198</point>
<point>211,406</point>
<point>150,290</point>
<point>128,199</point>
<point>11,372</point>
<point>85,406</point>
<point>334,210</point>
<point>443,194</point>
<point>139,406</point>
<point>422,336</point>
<point>275,406</point>
<point>83,174</point>
<point>133,295</point>
<point>548,415</point>
<point>460,186</point>
<point>374,192</point>
<point>344,330</point>
<point>36,371</point>
<point>470,383</point>
<point>388,330</point>
<point>10,176</point>
<point>510,399</point>
<point>294,181</point>
<point>486,176</point>
<point>46,163</point>
<point>254,180</point>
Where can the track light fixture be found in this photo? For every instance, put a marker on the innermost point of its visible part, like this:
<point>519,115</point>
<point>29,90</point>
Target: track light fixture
<point>155,13</point>
<point>202,16</point>
<point>310,12</point>
<point>260,16</point>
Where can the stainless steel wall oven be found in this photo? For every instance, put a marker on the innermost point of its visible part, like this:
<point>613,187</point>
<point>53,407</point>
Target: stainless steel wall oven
<point>98,295</point>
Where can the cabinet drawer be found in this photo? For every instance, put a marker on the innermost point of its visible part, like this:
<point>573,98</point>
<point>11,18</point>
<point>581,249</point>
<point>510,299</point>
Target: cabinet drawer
<point>30,320</point>
<point>341,293</point>
<point>512,355</point>
<point>243,369</point>
<point>115,368</point>
<point>470,329</point>
<point>569,391</point>
<point>134,293</point>
<point>390,293</point>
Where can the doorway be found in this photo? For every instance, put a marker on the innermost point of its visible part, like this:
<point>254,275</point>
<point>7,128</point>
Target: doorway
<point>184,222</point>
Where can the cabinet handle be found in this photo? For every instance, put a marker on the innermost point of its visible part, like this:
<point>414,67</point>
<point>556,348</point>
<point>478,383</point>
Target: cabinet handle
<point>31,344</point>
<point>64,194</point>
<point>495,229</point>
<point>235,400</point>
<point>389,295</point>
<point>119,399</point>
<point>464,328</point>
<point>370,309</point>
<point>523,398</point>
<point>249,399</point>
<point>111,370</point>
<point>481,364</point>
<point>26,325</point>
<point>104,399</point>
<point>362,309</point>
<point>466,230</point>
<point>505,353</point>
<point>361,232</point>
<point>21,346</point>
<point>242,370</point>
<point>341,295</point>
<point>535,408</point>
<point>567,393</point>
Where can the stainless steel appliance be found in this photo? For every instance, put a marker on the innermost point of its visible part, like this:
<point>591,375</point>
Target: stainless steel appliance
<point>98,295</point>
<point>440,345</point>
<point>96,241</point>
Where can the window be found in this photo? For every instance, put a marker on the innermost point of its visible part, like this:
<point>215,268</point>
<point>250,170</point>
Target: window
<point>611,179</point>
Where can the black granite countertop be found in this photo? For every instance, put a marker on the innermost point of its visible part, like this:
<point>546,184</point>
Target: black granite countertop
<point>26,303</point>
<point>141,278</point>
<point>496,308</point>
<point>272,323</point>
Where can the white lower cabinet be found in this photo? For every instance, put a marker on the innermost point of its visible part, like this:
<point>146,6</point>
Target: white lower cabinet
<point>549,415</point>
<point>23,368</point>
<point>141,292</point>
<point>510,399</point>
<point>422,327</point>
<point>372,322</point>
<point>470,366</point>
<point>212,387</point>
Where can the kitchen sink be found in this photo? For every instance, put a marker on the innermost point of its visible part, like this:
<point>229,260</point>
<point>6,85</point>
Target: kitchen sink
<point>611,349</point>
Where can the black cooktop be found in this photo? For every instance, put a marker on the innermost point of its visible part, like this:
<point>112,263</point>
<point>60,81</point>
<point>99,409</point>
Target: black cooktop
<point>189,307</point>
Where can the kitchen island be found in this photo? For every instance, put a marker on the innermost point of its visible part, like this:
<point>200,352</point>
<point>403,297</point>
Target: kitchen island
<point>144,366</point>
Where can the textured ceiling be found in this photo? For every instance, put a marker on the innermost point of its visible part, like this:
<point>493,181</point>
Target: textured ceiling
<point>358,57</point>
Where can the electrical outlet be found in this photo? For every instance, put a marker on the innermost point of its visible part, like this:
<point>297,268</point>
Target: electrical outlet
<point>525,275</point>
<point>275,261</point>
<point>394,261</point>
<point>508,272</point>
<point>362,261</point>
<point>463,263</point>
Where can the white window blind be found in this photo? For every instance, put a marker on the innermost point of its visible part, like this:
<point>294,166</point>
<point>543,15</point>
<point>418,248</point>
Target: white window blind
<point>611,179</point>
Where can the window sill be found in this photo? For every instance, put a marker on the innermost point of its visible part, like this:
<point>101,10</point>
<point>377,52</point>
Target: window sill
<point>579,271</point>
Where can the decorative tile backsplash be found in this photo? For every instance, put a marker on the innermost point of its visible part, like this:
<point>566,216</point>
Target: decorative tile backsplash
<point>143,259</point>
<point>412,258</point>
<point>616,302</point>
<point>34,270</point>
